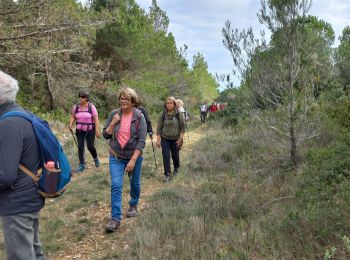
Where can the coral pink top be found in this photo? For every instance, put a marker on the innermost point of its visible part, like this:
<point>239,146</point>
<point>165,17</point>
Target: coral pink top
<point>124,130</point>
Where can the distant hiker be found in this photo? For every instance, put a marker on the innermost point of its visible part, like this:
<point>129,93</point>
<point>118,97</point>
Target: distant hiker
<point>126,129</point>
<point>183,112</point>
<point>20,201</point>
<point>203,111</point>
<point>147,118</point>
<point>170,132</point>
<point>87,127</point>
<point>213,107</point>
<point>181,109</point>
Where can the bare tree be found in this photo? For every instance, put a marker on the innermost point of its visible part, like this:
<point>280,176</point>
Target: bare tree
<point>47,42</point>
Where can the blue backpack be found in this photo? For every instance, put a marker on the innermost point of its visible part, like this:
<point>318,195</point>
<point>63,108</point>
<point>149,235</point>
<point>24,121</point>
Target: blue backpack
<point>51,181</point>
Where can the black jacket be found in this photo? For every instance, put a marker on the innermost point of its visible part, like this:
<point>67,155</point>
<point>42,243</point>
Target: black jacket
<point>18,193</point>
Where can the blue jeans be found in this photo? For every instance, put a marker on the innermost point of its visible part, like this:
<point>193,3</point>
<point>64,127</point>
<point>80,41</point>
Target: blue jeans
<point>117,168</point>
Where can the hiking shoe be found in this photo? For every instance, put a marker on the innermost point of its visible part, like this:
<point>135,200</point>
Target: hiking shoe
<point>97,162</point>
<point>113,225</point>
<point>81,167</point>
<point>132,212</point>
<point>175,172</point>
<point>166,177</point>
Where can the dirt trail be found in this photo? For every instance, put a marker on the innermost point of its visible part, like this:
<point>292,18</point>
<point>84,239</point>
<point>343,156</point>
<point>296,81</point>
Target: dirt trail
<point>97,243</point>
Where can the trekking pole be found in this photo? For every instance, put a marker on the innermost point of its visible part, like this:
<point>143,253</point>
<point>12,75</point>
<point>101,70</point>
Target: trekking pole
<point>75,140</point>
<point>188,135</point>
<point>154,154</point>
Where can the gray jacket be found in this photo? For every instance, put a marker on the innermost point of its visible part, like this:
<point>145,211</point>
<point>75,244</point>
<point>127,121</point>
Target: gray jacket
<point>138,133</point>
<point>18,144</point>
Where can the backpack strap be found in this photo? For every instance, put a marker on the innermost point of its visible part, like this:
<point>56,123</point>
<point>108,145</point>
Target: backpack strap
<point>29,173</point>
<point>138,119</point>
<point>89,111</point>
<point>118,110</point>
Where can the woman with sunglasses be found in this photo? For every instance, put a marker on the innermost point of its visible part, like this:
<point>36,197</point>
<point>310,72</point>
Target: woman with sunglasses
<point>87,127</point>
<point>170,132</point>
<point>126,129</point>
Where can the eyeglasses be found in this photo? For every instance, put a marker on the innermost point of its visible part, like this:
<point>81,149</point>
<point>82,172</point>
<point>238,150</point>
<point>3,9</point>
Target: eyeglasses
<point>125,99</point>
<point>82,96</point>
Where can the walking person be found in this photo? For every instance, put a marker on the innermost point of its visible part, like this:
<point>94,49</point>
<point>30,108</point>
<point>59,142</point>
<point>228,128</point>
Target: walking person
<point>203,111</point>
<point>181,109</point>
<point>170,132</point>
<point>139,106</point>
<point>126,129</point>
<point>87,127</point>
<point>20,202</point>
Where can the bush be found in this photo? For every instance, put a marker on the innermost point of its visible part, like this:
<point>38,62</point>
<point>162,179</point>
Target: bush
<point>324,193</point>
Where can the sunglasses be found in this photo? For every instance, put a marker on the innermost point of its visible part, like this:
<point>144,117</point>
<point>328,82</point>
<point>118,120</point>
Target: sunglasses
<point>82,96</point>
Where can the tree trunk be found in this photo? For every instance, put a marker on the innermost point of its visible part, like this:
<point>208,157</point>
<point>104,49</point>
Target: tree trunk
<point>48,80</point>
<point>293,144</point>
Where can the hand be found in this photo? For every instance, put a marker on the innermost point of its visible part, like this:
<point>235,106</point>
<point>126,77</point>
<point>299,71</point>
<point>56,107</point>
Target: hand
<point>115,119</point>
<point>130,166</point>
<point>158,143</point>
<point>98,134</point>
<point>179,142</point>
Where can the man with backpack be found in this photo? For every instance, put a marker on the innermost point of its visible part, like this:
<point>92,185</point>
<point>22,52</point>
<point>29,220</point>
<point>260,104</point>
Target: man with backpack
<point>20,201</point>
<point>204,111</point>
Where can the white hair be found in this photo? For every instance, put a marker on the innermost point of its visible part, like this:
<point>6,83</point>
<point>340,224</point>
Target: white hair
<point>8,88</point>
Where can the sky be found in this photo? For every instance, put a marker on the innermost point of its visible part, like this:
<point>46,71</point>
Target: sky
<point>198,24</point>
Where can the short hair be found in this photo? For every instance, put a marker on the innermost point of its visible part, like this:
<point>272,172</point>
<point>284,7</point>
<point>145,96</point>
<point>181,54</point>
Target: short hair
<point>8,88</point>
<point>85,93</point>
<point>129,93</point>
<point>171,98</point>
<point>179,101</point>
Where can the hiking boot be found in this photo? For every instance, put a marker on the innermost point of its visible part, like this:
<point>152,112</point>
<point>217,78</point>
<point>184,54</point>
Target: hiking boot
<point>81,167</point>
<point>113,225</point>
<point>97,162</point>
<point>167,177</point>
<point>132,212</point>
<point>175,172</point>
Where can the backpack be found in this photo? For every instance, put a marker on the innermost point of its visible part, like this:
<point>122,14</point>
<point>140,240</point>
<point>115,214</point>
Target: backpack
<point>204,108</point>
<point>187,117</point>
<point>77,106</point>
<point>51,182</point>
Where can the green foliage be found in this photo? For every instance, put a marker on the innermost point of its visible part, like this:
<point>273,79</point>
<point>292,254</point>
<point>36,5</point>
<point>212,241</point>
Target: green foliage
<point>204,84</point>
<point>324,191</point>
<point>342,55</point>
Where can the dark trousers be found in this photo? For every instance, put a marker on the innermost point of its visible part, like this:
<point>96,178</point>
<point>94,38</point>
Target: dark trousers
<point>169,146</point>
<point>89,136</point>
<point>203,116</point>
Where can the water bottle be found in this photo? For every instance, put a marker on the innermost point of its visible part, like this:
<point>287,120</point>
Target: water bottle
<point>51,178</point>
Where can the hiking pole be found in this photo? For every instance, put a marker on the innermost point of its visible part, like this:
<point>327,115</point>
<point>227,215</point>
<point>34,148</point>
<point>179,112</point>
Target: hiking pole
<point>154,154</point>
<point>75,140</point>
<point>188,135</point>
